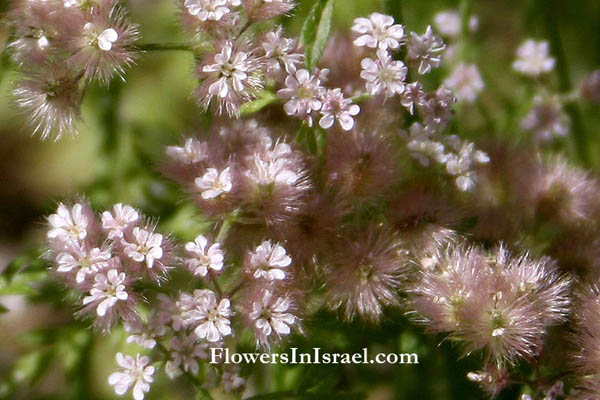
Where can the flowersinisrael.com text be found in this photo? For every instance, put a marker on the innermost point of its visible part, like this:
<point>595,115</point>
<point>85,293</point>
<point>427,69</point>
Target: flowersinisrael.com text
<point>224,355</point>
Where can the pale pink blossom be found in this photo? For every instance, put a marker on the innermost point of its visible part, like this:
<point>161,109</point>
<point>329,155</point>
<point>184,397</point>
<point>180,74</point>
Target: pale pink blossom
<point>209,318</point>
<point>214,183</point>
<point>122,218</point>
<point>203,257</point>
<point>337,107</point>
<point>108,289</point>
<point>135,372</point>
<point>378,31</point>
<point>269,261</point>
<point>146,246</point>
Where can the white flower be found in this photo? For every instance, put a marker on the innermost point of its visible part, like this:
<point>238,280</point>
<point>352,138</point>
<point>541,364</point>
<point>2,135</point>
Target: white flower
<point>104,40</point>
<point>378,30</point>
<point>213,184</point>
<point>546,119</point>
<point>533,58</point>
<point>232,69</point>
<point>83,261</point>
<point>232,76</point>
<point>135,372</point>
<point>147,246</point>
<point>384,75</point>
<point>281,51</point>
<point>68,225</point>
<point>465,82</point>
<point>304,92</point>
<point>210,10</point>
<point>336,107</point>
<point>185,352</point>
<point>267,261</point>
<point>70,3</point>
<point>203,258</point>
<point>425,50</point>
<point>437,108</point>
<point>449,23</point>
<point>273,167</point>
<point>461,163</point>
<point>143,334</point>
<point>423,148</point>
<point>270,315</point>
<point>232,380</point>
<point>108,289</point>
<point>107,38</point>
<point>123,217</point>
<point>43,43</point>
<point>412,96</point>
<point>211,319</point>
<point>192,152</point>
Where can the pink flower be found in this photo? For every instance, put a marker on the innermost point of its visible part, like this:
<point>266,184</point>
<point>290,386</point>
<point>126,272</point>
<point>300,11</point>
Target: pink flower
<point>378,31</point>
<point>134,372</point>
<point>211,319</point>
<point>203,256</point>
<point>145,248</point>
<point>268,262</point>
<point>337,107</point>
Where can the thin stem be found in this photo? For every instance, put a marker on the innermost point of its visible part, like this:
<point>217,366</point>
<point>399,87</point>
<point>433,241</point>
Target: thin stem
<point>361,97</point>
<point>465,15</point>
<point>275,395</point>
<point>562,70</point>
<point>213,279</point>
<point>165,47</point>
<point>236,289</point>
<point>244,29</point>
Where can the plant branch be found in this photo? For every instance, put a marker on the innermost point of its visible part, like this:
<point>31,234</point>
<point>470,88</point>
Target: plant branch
<point>564,81</point>
<point>165,47</point>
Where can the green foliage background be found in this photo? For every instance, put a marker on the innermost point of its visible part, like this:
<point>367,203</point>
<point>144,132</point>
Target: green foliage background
<point>45,354</point>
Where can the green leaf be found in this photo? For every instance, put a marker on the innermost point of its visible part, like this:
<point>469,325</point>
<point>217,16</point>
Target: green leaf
<point>21,283</point>
<point>266,98</point>
<point>3,309</point>
<point>203,394</point>
<point>316,29</point>
<point>302,133</point>
<point>311,142</point>
<point>32,366</point>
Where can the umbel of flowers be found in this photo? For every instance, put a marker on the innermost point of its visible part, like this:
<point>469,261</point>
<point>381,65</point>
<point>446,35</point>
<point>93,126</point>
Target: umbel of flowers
<point>364,220</point>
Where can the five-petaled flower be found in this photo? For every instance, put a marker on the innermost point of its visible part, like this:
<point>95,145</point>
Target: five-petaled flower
<point>135,372</point>
<point>378,31</point>
<point>146,246</point>
<point>214,183</point>
<point>268,260</point>
<point>203,256</point>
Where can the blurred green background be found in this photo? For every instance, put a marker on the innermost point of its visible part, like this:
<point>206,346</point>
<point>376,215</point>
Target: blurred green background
<point>154,108</point>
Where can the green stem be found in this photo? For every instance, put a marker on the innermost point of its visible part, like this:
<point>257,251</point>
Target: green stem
<point>111,136</point>
<point>564,81</point>
<point>225,226</point>
<point>466,7</point>
<point>361,97</point>
<point>288,394</point>
<point>165,47</point>
<point>4,64</point>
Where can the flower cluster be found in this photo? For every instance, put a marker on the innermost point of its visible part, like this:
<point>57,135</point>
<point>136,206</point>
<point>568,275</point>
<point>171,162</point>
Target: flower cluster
<point>61,47</point>
<point>492,301</point>
<point>358,213</point>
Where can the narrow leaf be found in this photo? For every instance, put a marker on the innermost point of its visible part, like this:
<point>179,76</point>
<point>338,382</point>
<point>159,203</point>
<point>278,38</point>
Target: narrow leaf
<point>316,29</point>
<point>252,107</point>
